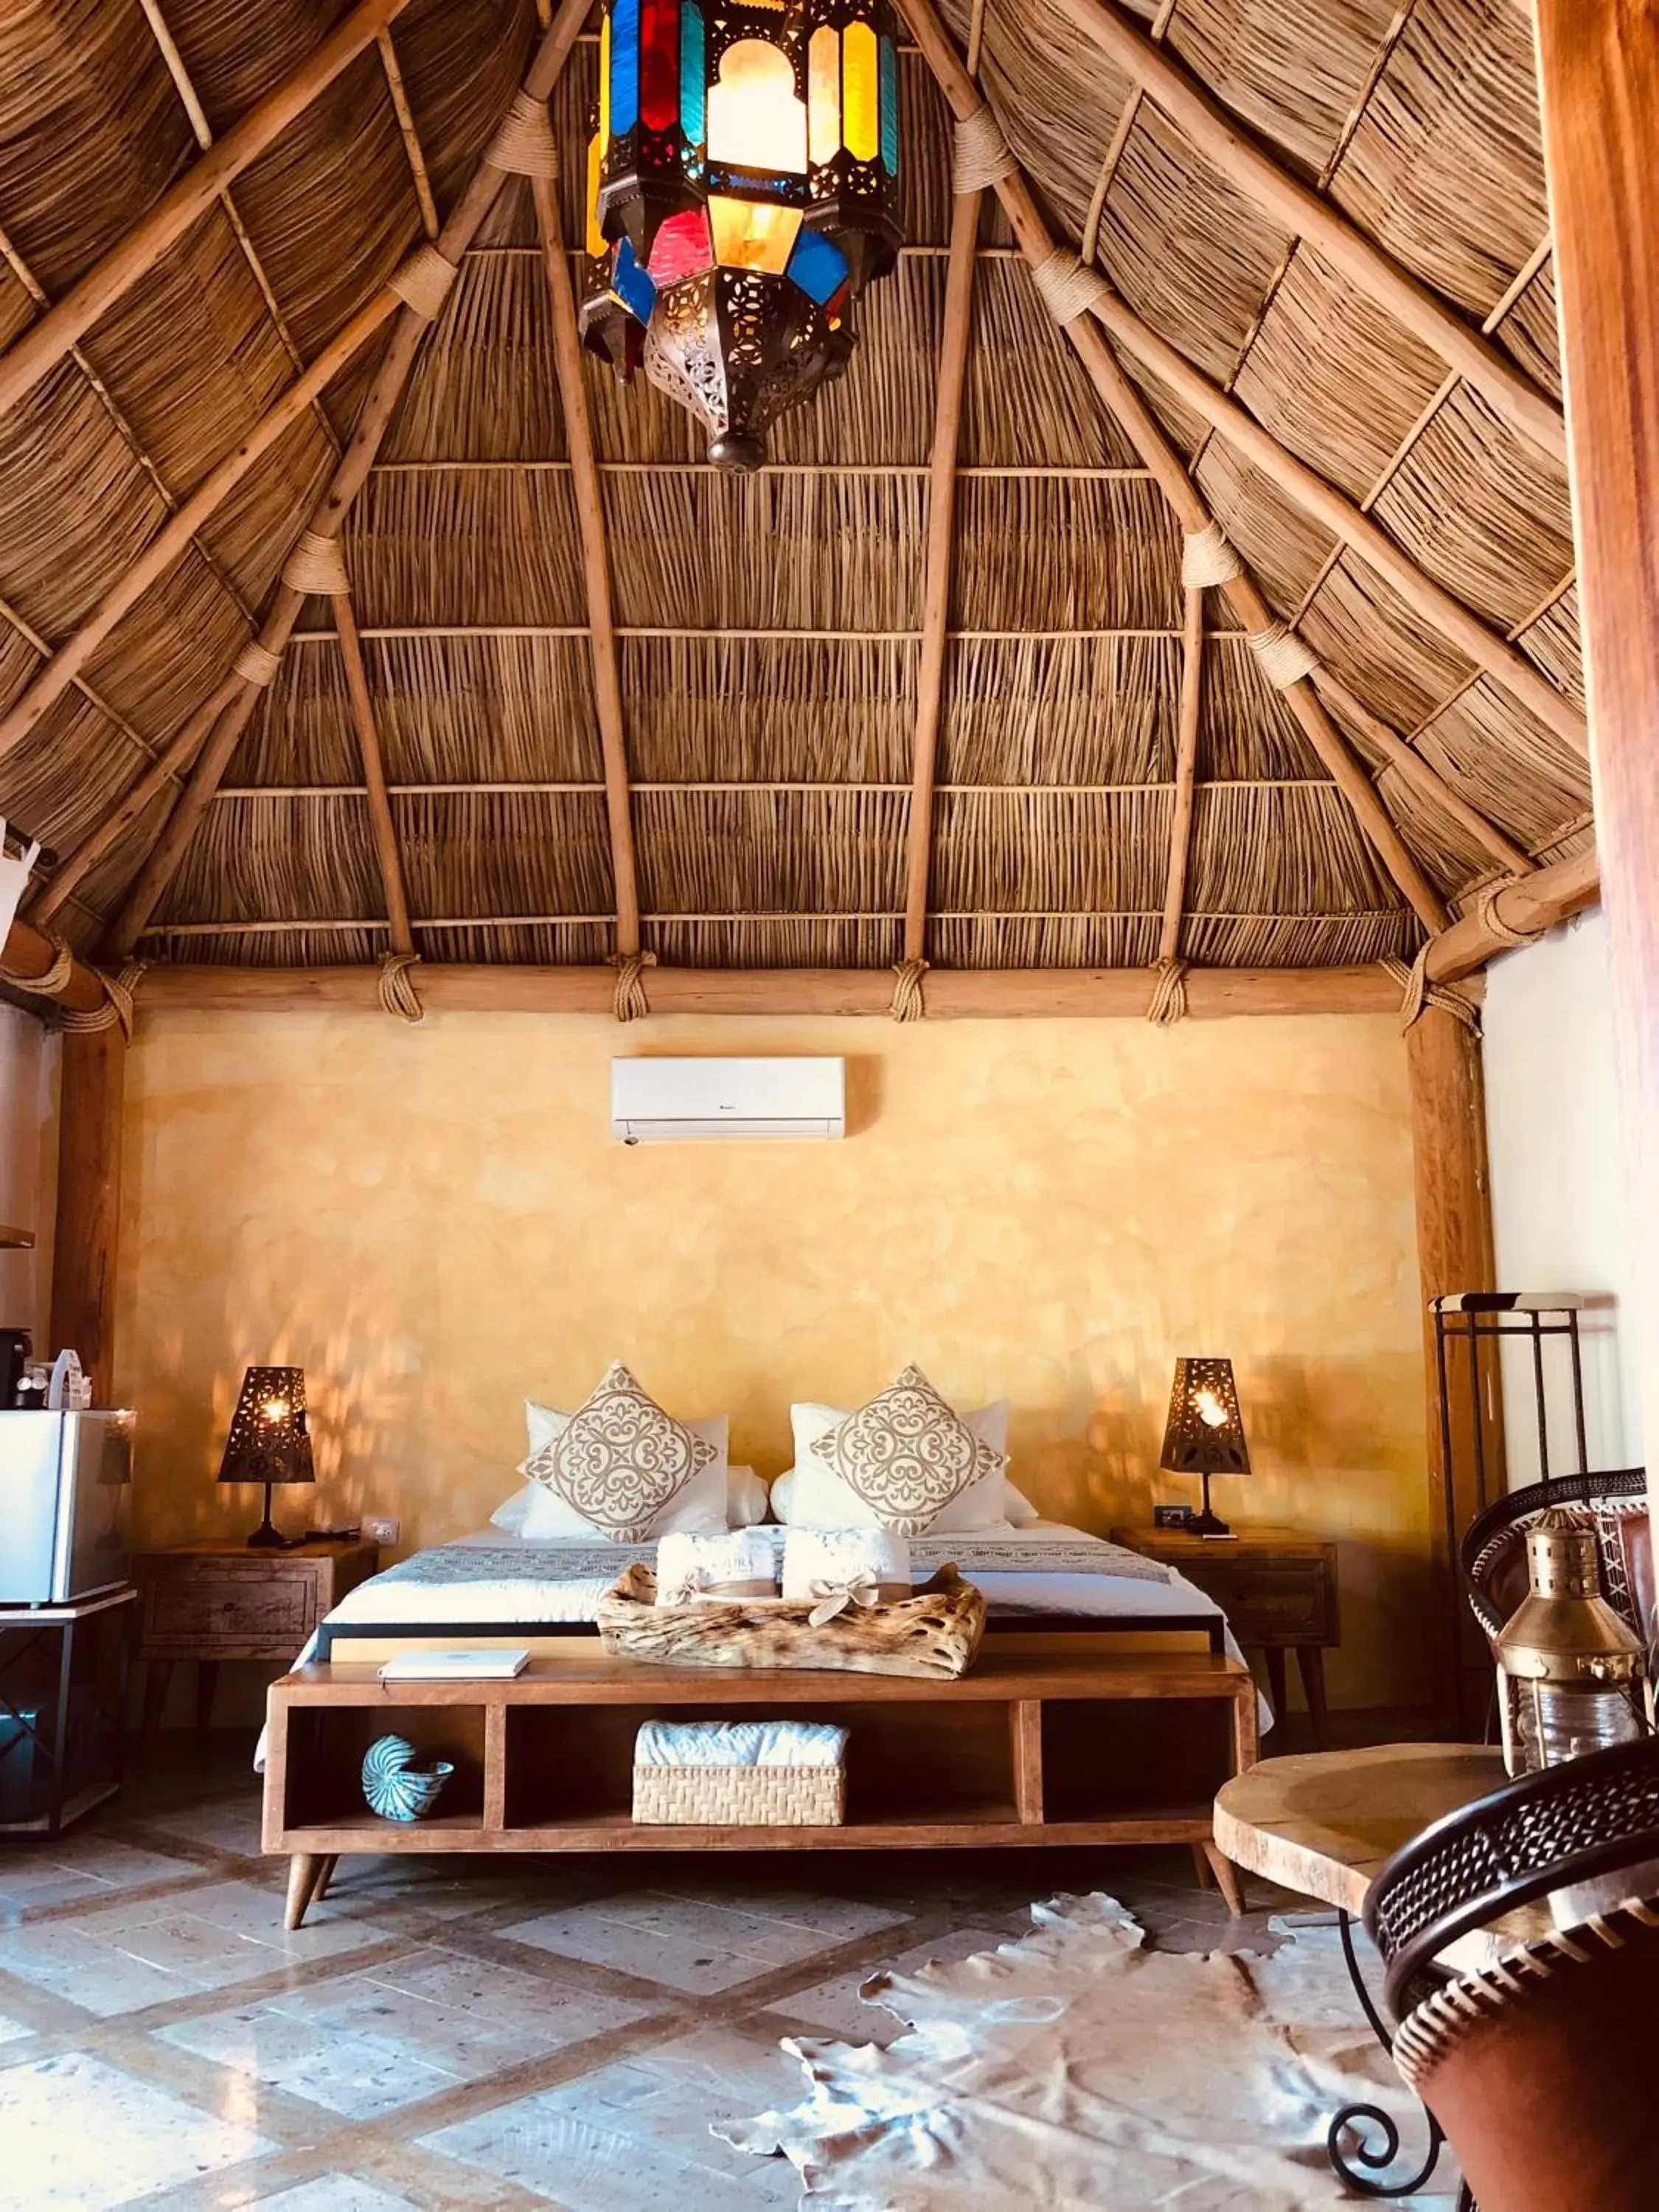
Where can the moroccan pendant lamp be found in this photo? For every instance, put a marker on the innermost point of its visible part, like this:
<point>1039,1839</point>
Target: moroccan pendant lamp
<point>742,191</point>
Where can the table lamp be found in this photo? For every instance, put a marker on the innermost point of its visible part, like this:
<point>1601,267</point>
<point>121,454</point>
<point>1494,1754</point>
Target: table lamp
<point>269,1443</point>
<point>1205,1433</point>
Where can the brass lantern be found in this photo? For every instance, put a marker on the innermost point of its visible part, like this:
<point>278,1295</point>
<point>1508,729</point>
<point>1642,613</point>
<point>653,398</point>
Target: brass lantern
<point>742,191</point>
<point>1568,1667</point>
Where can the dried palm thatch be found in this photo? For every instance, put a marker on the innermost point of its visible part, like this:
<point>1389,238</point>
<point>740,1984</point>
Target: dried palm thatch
<point>770,642</point>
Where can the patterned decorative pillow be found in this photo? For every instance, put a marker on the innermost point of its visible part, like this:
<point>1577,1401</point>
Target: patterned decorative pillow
<point>619,1459</point>
<point>907,1455</point>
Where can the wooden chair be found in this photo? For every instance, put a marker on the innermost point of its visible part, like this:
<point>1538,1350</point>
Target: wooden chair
<point>1538,2066</point>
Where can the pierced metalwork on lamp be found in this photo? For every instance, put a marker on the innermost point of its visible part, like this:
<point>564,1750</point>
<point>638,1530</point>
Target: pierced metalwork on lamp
<point>1204,1432</point>
<point>269,1443</point>
<point>742,191</point>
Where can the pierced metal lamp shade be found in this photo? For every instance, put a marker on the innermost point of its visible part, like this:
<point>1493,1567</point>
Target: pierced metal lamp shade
<point>270,1441</point>
<point>1204,1432</point>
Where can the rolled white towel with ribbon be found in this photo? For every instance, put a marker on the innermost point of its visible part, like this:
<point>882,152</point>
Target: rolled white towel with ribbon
<point>832,1569</point>
<point>738,1564</point>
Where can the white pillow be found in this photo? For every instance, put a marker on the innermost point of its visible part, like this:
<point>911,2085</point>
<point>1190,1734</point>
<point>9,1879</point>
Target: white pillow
<point>697,1509</point>
<point>745,1495</point>
<point>1018,1507</point>
<point>811,1495</point>
<point>509,1514</point>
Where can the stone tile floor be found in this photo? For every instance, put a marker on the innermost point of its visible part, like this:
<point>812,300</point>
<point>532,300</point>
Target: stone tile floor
<point>450,2032</point>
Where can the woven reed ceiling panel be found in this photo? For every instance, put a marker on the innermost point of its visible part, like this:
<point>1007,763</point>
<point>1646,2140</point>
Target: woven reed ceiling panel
<point>770,629</point>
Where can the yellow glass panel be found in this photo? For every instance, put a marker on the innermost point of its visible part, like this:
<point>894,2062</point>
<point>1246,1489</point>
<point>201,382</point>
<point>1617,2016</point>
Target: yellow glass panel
<point>823,94</point>
<point>753,233</point>
<point>605,84</point>
<point>595,235</point>
<point>755,121</point>
<point>862,91</point>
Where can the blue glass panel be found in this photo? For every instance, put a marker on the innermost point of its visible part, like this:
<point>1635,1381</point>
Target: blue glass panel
<point>625,66</point>
<point>631,285</point>
<point>889,108</point>
<point>817,265</point>
<point>694,76</point>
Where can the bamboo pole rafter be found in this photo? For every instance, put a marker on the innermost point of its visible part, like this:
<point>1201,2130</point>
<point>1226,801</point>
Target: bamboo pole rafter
<point>954,341</point>
<point>596,566</point>
<point>387,859</point>
<point>45,343</point>
<point>1189,713</point>
<point>1191,511</point>
<point>1302,212</point>
<point>456,234</point>
<point>420,176</point>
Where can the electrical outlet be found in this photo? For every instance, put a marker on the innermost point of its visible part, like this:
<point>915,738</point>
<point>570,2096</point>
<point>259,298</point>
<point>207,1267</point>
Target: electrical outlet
<point>380,1527</point>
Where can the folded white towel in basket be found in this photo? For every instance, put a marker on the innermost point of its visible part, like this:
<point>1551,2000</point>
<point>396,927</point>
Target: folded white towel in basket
<point>739,1743</point>
<point>740,1564</point>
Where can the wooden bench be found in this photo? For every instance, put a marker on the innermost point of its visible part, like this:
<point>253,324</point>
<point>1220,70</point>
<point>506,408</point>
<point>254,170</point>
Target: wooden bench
<point>1109,1748</point>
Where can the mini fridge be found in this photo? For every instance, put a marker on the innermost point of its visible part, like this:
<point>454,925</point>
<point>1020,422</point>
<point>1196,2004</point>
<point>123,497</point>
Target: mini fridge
<point>65,1480</point>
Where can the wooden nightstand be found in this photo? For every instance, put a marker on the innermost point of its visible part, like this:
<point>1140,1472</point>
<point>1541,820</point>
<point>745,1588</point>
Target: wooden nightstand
<point>219,1601</point>
<point>1277,1588</point>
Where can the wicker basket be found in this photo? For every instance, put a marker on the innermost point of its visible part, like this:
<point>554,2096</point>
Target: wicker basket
<point>741,1796</point>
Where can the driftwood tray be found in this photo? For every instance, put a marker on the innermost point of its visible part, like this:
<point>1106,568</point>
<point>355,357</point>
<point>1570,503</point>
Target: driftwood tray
<point>934,1632</point>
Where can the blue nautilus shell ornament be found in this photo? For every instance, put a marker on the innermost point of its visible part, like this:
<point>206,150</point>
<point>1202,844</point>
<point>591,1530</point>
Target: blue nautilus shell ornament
<point>394,1786</point>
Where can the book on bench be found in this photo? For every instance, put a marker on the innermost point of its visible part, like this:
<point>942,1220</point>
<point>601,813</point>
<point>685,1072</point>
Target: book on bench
<point>454,1667</point>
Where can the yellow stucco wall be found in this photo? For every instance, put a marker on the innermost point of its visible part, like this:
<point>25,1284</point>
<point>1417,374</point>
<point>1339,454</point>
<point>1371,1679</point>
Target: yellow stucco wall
<point>435,1222</point>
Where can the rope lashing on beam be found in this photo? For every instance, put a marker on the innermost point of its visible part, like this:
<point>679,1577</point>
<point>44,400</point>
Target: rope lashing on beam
<point>118,1006</point>
<point>423,281</point>
<point>1169,1003</point>
<point>631,1004</point>
<point>396,989</point>
<point>524,145</point>
<point>1486,912</point>
<point>1282,658</point>
<point>981,157</point>
<point>1066,287</point>
<point>1207,557</point>
<point>257,664</point>
<point>1417,994</point>
<point>52,980</point>
<point>317,564</point>
<point>909,1003</point>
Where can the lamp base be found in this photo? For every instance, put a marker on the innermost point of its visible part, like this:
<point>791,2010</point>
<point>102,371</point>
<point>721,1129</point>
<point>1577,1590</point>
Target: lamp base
<point>1207,1522</point>
<point>267,1537</point>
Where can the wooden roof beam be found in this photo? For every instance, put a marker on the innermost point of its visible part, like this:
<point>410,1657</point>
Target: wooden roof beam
<point>596,565</point>
<point>420,176</point>
<point>1144,433</point>
<point>1181,813</point>
<point>1306,214</point>
<point>40,348</point>
<point>175,536</point>
<point>350,474</point>
<point>953,993</point>
<point>1334,511</point>
<point>952,376</point>
<point>1526,909</point>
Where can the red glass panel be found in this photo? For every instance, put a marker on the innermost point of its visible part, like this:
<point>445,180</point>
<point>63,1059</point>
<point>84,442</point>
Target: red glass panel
<point>681,248</point>
<point>659,63</point>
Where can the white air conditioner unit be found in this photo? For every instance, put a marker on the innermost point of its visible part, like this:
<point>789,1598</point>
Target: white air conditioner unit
<point>657,1101</point>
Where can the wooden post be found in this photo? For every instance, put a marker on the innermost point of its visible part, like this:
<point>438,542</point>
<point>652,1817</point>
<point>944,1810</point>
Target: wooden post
<point>1454,1252</point>
<point>89,1201</point>
<point>1598,63</point>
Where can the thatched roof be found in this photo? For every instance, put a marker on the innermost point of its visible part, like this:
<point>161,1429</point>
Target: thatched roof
<point>769,632</point>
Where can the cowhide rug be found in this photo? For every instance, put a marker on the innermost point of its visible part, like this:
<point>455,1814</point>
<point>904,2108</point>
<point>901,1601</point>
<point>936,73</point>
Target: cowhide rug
<point>1077,2068</point>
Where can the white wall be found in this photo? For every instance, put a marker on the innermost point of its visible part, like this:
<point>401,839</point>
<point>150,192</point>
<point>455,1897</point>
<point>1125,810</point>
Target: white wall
<point>28,1166</point>
<point>1560,1209</point>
